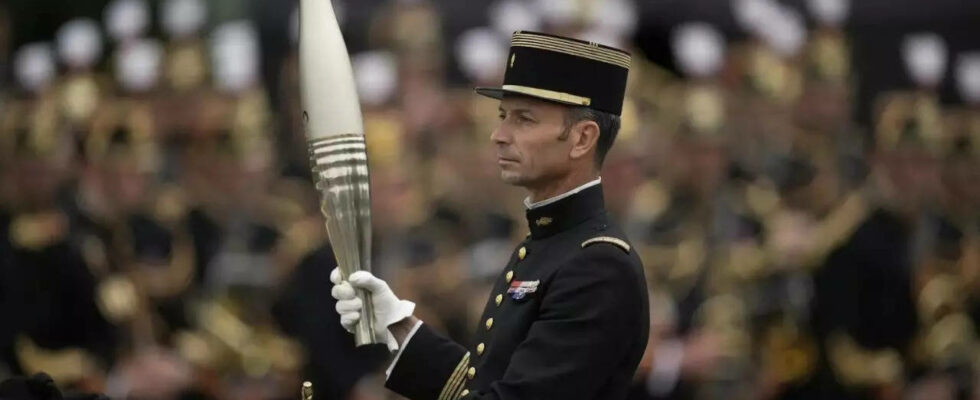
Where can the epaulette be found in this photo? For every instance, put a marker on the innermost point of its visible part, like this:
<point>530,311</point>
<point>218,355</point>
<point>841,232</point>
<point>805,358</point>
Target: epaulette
<point>607,239</point>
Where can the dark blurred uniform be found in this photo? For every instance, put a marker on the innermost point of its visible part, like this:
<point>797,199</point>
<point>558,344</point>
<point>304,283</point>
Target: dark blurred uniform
<point>700,243</point>
<point>946,280</point>
<point>52,322</point>
<point>818,207</point>
<point>333,364</point>
<point>130,226</point>
<point>864,312</point>
<point>237,225</point>
<point>245,240</point>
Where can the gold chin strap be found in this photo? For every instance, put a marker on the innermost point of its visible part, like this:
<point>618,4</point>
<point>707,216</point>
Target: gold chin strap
<point>549,94</point>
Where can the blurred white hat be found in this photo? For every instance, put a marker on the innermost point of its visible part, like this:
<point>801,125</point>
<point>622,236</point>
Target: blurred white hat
<point>182,18</point>
<point>829,12</point>
<point>699,49</point>
<point>137,64</point>
<point>615,16</point>
<point>783,31</point>
<point>610,17</point>
<point>925,58</point>
<point>750,14</point>
<point>481,53</point>
<point>126,19</point>
<point>235,56</point>
<point>376,76</point>
<point>79,43</point>
<point>507,16</point>
<point>968,76</point>
<point>558,12</point>
<point>34,66</point>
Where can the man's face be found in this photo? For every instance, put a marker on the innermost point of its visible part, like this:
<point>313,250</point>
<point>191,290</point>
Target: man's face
<point>529,143</point>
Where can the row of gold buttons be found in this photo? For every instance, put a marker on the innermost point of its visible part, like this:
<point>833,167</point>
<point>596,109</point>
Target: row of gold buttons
<point>499,299</point>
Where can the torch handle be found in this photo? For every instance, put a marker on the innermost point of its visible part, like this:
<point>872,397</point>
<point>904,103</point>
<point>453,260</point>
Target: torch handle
<point>364,331</point>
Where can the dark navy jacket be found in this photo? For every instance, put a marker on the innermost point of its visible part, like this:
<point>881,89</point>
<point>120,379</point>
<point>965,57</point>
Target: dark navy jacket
<point>567,319</point>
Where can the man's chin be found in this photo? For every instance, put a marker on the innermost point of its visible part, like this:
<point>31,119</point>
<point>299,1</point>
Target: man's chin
<point>511,178</point>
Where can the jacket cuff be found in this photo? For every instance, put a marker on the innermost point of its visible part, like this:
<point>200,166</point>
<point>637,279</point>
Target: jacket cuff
<point>408,338</point>
<point>429,367</point>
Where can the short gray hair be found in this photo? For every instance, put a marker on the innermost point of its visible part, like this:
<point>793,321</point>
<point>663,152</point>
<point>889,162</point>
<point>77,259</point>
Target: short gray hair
<point>608,128</point>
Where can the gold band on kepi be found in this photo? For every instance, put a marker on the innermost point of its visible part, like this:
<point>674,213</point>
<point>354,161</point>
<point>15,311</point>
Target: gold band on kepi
<point>535,92</point>
<point>592,51</point>
<point>564,70</point>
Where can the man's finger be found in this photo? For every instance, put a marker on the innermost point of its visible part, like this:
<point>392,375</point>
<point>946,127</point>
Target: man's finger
<point>335,276</point>
<point>348,320</point>
<point>364,279</point>
<point>347,306</point>
<point>343,291</point>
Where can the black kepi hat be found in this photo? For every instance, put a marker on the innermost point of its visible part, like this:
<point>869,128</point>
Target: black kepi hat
<point>564,70</point>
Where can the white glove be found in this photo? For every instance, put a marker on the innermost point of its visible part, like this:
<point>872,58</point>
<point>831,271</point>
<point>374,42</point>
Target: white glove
<point>388,309</point>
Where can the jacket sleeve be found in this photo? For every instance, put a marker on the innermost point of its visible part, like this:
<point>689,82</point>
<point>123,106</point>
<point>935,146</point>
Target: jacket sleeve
<point>429,366</point>
<point>587,324</point>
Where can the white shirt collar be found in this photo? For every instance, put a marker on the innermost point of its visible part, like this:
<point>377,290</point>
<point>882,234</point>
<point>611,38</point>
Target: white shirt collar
<point>542,203</point>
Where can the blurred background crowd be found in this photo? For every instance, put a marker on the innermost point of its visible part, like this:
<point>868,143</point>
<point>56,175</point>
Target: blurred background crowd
<point>800,178</point>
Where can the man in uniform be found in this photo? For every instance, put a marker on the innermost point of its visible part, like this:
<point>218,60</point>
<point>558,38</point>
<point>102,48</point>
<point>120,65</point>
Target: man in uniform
<point>47,293</point>
<point>130,227</point>
<point>567,317</point>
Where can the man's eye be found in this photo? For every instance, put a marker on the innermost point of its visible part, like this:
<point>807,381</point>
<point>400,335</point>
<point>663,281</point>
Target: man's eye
<point>502,117</point>
<point>524,118</point>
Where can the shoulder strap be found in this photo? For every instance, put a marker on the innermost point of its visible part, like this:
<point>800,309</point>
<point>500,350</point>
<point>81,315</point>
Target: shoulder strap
<point>607,239</point>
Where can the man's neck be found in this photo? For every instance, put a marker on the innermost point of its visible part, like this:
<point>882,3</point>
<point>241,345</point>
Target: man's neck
<point>558,188</point>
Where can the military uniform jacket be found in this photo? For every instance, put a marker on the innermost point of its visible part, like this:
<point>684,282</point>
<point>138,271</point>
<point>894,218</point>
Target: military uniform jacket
<point>567,319</point>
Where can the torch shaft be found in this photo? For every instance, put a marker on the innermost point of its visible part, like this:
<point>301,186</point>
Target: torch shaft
<point>341,171</point>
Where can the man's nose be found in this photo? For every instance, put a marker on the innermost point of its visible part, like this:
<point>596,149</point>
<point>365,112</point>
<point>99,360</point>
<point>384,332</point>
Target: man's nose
<point>499,135</point>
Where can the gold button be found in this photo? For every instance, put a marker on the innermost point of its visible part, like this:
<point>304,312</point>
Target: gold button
<point>479,348</point>
<point>489,323</point>
<point>509,276</point>
<point>522,253</point>
<point>499,299</point>
<point>471,373</point>
<point>464,393</point>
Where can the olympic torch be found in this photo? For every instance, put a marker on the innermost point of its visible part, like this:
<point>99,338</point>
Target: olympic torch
<point>338,155</point>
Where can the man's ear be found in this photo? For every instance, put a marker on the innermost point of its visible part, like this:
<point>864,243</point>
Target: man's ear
<point>584,135</point>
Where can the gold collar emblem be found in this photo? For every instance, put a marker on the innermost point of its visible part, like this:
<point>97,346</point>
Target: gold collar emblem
<point>543,221</point>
